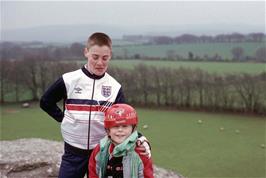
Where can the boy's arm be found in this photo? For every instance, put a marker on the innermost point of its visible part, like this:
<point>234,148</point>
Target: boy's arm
<point>120,98</point>
<point>54,94</point>
<point>147,166</point>
<point>92,163</point>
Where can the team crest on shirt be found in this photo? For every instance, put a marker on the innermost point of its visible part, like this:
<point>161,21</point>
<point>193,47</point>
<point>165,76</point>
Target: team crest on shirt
<point>106,91</point>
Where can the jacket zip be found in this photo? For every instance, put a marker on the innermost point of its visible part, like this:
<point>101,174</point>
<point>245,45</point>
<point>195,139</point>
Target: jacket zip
<point>89,126</point>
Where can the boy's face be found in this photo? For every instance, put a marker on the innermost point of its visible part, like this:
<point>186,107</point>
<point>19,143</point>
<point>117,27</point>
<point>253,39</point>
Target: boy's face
<point>98,58</point>
<point>120,133</point>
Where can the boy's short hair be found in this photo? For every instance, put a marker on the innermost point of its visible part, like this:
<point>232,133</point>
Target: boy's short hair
<point>100,39</point>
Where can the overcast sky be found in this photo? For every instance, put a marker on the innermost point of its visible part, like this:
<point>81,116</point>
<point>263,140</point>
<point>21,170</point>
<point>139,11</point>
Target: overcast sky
<point>23,14</point>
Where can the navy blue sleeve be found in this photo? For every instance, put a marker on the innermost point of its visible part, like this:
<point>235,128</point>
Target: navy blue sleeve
<point>120,98</point>
<point>55,93</point>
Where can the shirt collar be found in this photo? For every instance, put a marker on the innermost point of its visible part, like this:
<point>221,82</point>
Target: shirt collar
<point>93,76</point>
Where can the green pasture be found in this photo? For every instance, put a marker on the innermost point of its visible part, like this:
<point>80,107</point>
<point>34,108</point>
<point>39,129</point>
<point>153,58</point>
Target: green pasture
<point>213,67</point>
<point>198,49</point>
<point>179,141</point>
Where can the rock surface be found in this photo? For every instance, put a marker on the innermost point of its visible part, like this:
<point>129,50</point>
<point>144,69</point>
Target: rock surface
<point>29,158</point>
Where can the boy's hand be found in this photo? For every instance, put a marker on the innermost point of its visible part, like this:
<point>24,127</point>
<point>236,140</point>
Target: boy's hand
<point>143,146</point>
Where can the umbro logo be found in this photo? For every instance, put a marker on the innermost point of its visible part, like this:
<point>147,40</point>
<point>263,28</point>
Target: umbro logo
<point>78,90</point>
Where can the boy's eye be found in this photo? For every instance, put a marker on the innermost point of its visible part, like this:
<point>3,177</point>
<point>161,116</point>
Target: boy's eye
<point>95,57</point>
<point>105,58</point>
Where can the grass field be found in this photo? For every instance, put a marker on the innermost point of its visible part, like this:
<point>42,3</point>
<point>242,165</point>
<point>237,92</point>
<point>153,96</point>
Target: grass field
<point>198,49</point>
<point>178,141</point>
<point>218,67</point>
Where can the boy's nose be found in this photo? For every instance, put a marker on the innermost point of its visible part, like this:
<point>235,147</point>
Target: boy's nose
<point>100,62</point>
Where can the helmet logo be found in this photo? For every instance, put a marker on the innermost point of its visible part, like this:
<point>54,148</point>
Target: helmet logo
<point>120,111</point>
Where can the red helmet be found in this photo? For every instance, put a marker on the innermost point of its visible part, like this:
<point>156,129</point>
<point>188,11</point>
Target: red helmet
<point>120,114</point>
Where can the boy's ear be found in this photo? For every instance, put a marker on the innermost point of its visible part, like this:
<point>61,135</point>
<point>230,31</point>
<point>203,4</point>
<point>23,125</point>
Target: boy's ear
<point>86,52</point>
<point>107,131</point>
<point>134,127</point>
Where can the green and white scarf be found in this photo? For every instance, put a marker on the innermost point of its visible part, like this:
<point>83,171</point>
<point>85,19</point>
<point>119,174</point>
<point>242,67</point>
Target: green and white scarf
<point>126,148</point>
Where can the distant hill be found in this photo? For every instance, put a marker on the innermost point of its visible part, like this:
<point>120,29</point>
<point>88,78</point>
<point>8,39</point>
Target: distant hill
<point>78,33</point>
<point>58,33</point>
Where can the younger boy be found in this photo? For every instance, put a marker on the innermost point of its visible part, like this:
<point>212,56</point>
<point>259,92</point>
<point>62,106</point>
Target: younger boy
<point>116,156</point>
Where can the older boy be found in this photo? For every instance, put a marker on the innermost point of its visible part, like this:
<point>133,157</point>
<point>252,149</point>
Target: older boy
<point>87,94</point>
<point>115,156</point>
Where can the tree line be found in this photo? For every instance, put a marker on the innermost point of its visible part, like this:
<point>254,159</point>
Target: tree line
<point>144,85</point>
<point>15,50</point>
<point>190,38</point>
<point>238,55</point>
<point>11,50</point>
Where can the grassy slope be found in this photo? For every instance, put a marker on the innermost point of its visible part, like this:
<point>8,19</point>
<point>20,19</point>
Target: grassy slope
<point>200,49</point>
<point>178,141</point>
<point>218,67</point>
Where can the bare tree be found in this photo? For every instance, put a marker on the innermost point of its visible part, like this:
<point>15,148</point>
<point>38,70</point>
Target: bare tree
<point>170,54</point>
<point>5,72</point>
<point>129,82</point>
<point>261,54</point>
<point>190,55</point>
<point>238,53</point>
<point>186,38</point>
<point>125,53</point>
<point>45,74</point>
<point>143,75</point>
<point>200,83</point>
<point>165,80</point>
<point>237,37</point>
<point>162,40</point>
<point>247,86</point>
<point>257,37</point>
<point>29,65</point>
<point>156,84</point>
<point>77,49</point>
<point>15,78</point>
